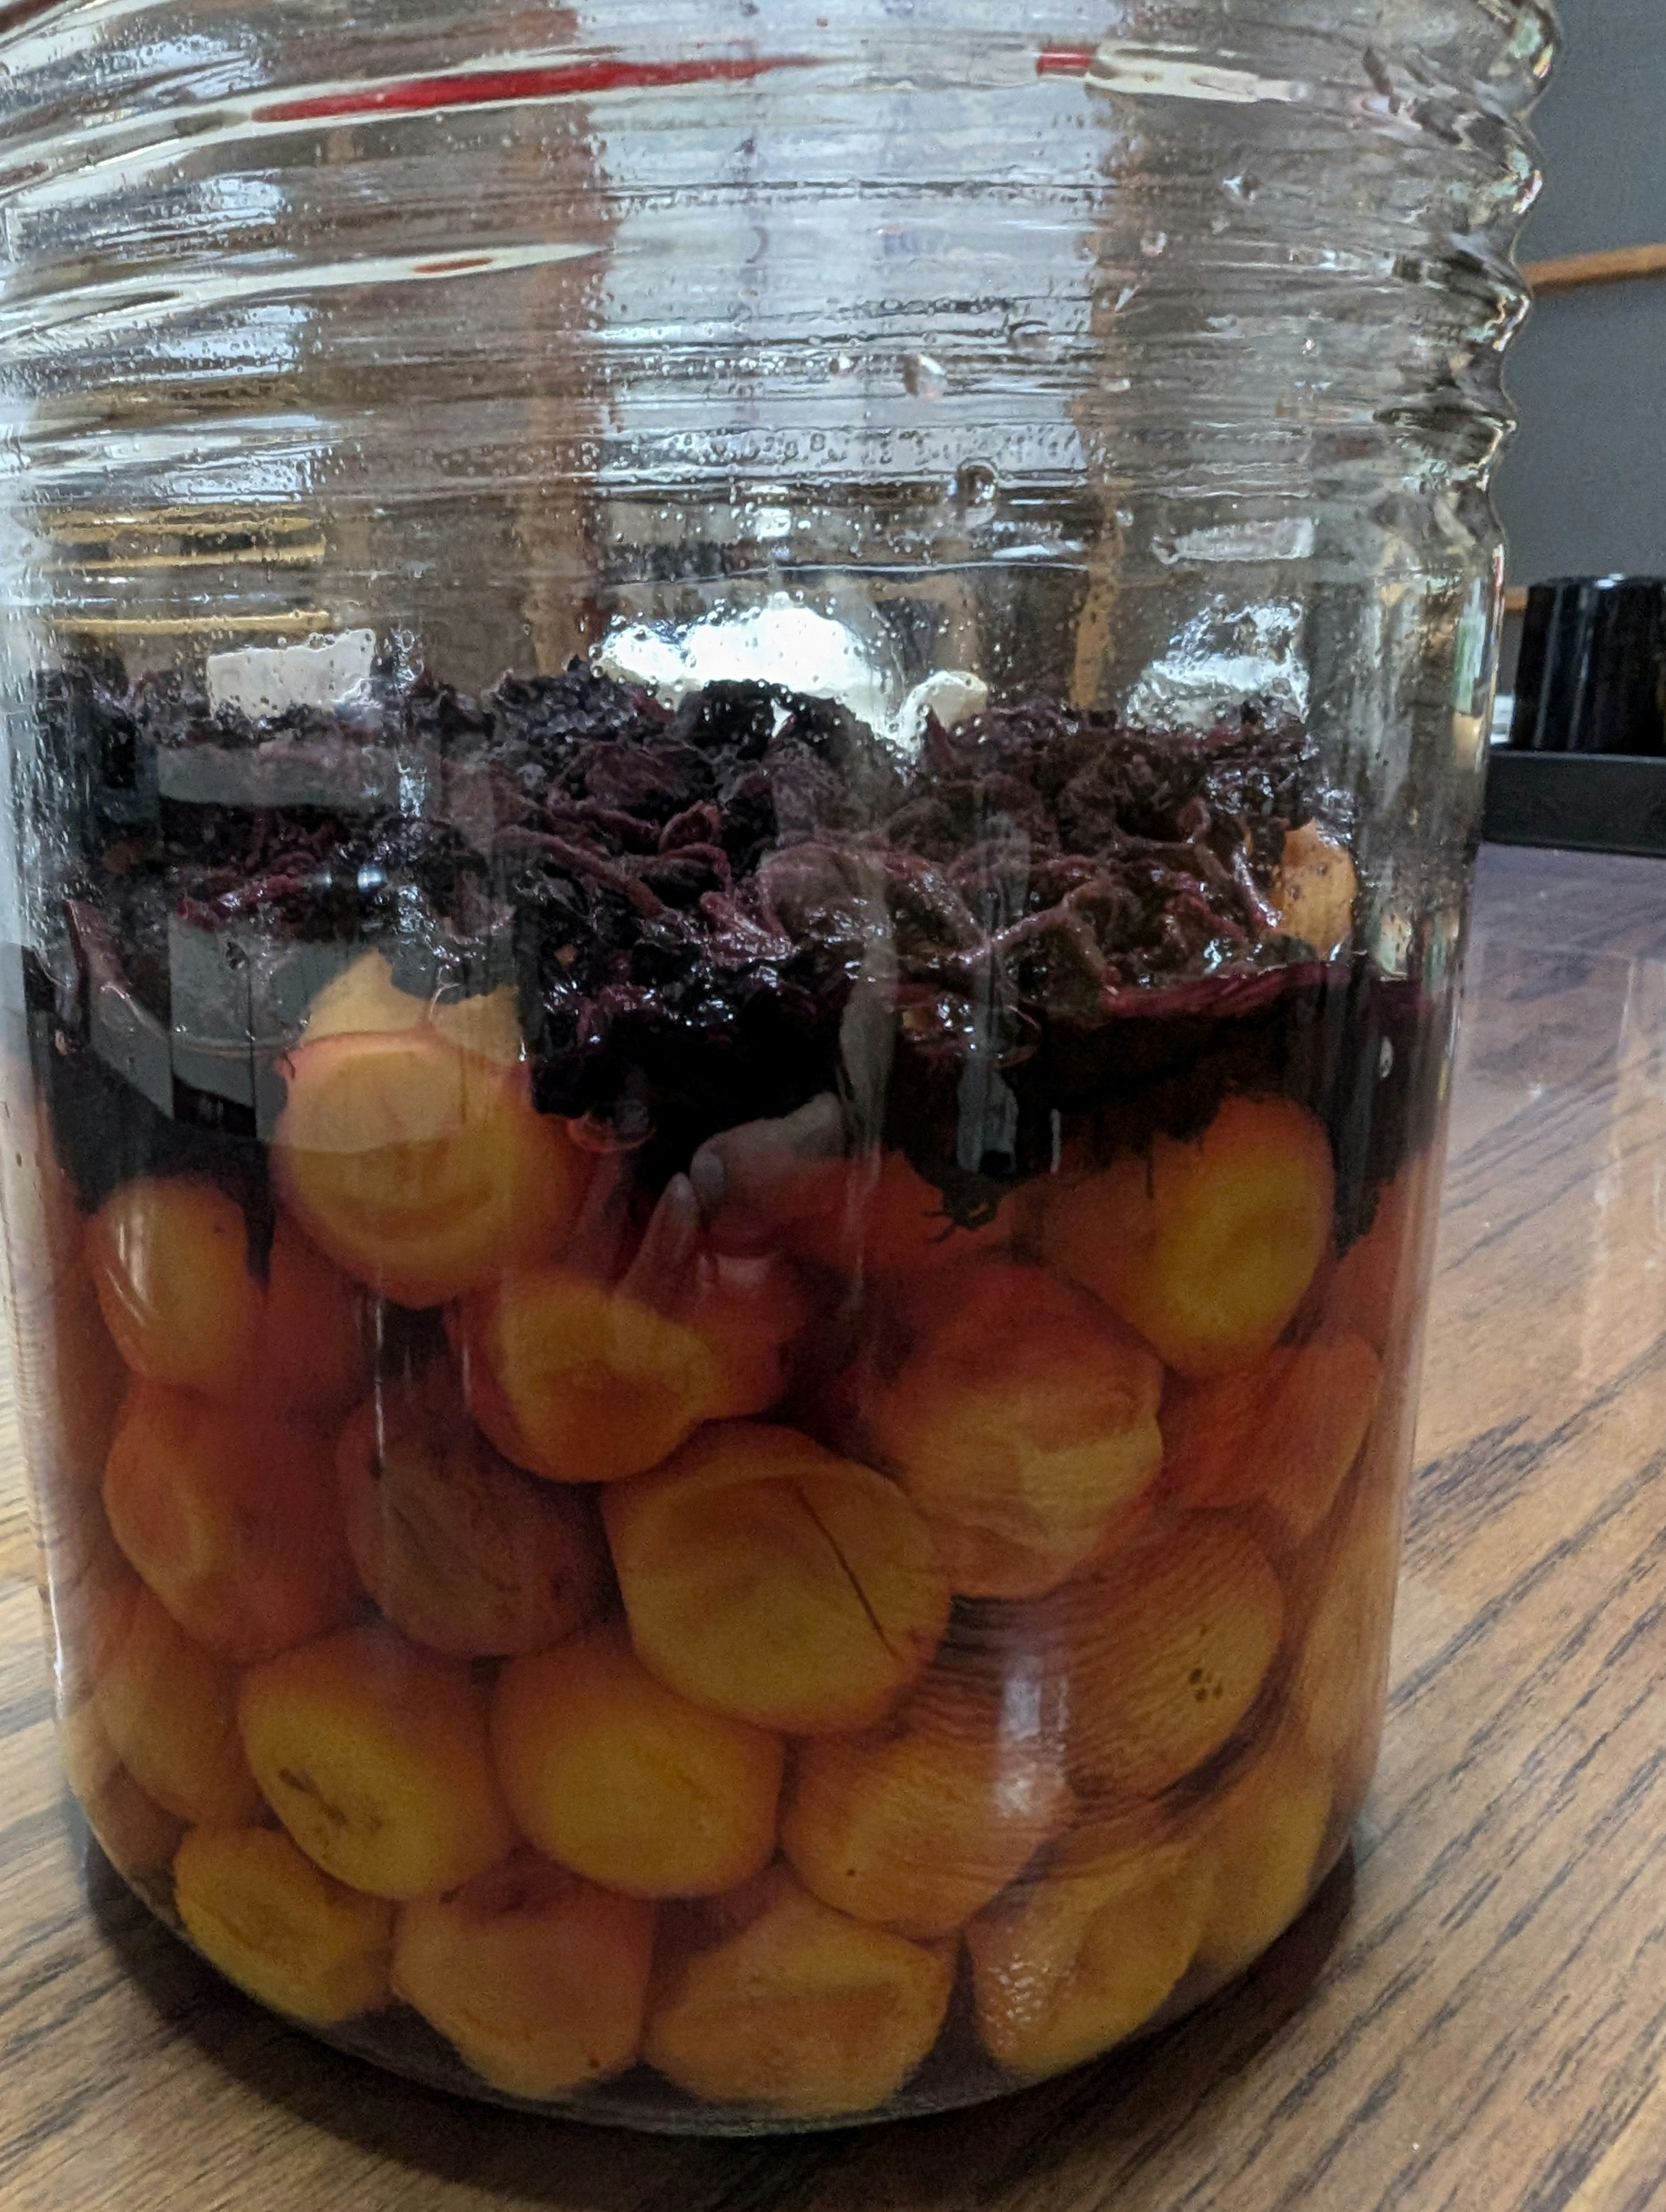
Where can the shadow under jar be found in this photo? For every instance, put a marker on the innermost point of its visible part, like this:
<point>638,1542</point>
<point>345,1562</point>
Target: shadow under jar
<point>741,756</point>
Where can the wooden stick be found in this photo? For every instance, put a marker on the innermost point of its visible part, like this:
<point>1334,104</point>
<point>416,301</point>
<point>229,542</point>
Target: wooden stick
<point>1613,267</point>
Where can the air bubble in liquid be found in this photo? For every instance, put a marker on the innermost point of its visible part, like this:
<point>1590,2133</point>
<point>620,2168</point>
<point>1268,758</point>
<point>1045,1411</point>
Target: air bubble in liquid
<point>975,485</point>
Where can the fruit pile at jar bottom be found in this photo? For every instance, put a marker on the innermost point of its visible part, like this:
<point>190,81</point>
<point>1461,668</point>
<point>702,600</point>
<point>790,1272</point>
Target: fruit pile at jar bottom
<point>786,1652</point>
<point>663,1585</point>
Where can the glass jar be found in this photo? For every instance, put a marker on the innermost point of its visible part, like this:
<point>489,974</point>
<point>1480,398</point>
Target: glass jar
<point>742,753</point>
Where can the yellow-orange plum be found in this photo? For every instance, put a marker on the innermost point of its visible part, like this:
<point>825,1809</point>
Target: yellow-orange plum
<point>460,1550</point>
<point>1164,1650</point>
<point>313,1354</point>
<point>1371,1290</point>
<point>582,1382</point>
<point>538,1978</point>
<point>793,2009</point>
<point>138,1836</point>
<point>1284,1432</point>
<point>918,1825</point>
<point>765,1578</point>
<point>879,1216</point>
<point>171,1261</point>
<point>418,1165</point>
<point>232,1520</point>
<point>275,1925</point>
<point>1207,1248</point>
<point>374,1755</point>
<point>169,1710</point>
<point>1341,1673</point>
<point>1265,1837</point>
<point>67,1376</point>
<point>90,1592</point>
<point>585,1381</point>
<point>1065,1970</point>
<point>750,1312</point>
<point>624,1781</point>
<point>1023,1426</point>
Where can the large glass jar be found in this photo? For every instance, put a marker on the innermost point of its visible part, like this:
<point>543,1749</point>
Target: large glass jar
<point>742,745</point>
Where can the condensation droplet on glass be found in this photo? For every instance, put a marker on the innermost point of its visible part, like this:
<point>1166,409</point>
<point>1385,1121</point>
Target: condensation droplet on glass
<point>1030,341</point>
<point>1118,384</point>
<point>1128,293</point>
<point>1385,1062</point>
<point>925,377</point>
<point>1309,345</point>
<point>1153,243</point>
<point>1241,187</point>
<point>1217,224</point>
<point>842,364</point>
<point>975,485</point>
<point>1125,518</point>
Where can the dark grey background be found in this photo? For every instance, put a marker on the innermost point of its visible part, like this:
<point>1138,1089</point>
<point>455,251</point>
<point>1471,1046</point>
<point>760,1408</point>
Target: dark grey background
<point>1582,487</point>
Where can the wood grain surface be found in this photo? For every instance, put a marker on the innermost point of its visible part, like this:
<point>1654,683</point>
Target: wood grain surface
<point>1471,2018</point>
<point>1617,264</point>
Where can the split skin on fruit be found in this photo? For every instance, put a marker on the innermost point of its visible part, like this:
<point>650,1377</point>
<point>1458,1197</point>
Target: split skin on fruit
<point>771,1999</point>
<point>374,1754</point>
<point>461,1551</point>
<point>1024,1424</point>
<point>538,1978</point>
<point>233,1520</point>
<point>618,1777</point>
<point>279,1928</point>
<point>765,1578</point>
<point>408,1149</point>
<point>1208,1247</point>
<point>172,1262</point>
<point>918,1825</point>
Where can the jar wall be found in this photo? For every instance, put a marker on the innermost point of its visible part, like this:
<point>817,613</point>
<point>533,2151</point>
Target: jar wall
<point>719,1338</point>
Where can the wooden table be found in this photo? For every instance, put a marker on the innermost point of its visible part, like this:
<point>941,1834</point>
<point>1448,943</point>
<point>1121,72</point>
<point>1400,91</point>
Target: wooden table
<point>1472,2018</point>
